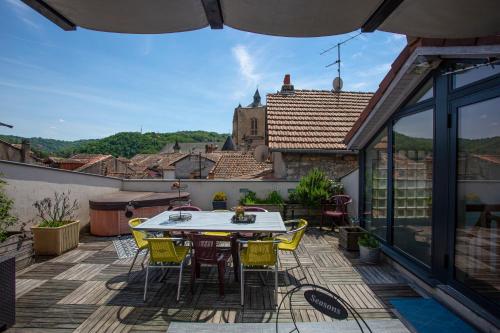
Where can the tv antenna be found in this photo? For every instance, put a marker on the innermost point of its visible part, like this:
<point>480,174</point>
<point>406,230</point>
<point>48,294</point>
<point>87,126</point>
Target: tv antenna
<point>337,82</point>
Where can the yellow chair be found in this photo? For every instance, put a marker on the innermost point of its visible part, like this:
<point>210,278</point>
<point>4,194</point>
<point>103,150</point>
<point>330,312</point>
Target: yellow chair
<point>163,253</point>
<point>258,255</point>
<point>218,233</point>
<point>291,244</point>
<point>140,240</point>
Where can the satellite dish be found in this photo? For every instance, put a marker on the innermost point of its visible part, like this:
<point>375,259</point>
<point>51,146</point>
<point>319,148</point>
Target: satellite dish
<point>337,84</point>
<point>261,153</point>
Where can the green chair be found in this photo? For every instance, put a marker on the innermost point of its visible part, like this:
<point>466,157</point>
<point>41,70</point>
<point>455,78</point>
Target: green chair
<point>163,253</point>
<point>140,240</point>
<point>291,244</point>
<point>258,255</point>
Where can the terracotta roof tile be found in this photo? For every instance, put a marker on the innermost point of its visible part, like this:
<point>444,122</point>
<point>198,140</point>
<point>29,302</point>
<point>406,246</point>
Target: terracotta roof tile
<point>312,119</point>
<point>237,165</point>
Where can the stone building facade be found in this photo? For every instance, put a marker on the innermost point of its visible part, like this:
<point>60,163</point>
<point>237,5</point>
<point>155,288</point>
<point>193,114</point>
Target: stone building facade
<point>293,166</point>
<point>249,124</point>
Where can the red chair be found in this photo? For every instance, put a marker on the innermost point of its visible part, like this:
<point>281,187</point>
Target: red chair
<point>186,209</point>
<point>206,252</point>
<point>339,213</point>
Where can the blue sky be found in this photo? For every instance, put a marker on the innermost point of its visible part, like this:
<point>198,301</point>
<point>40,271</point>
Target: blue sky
<point>87,84</point>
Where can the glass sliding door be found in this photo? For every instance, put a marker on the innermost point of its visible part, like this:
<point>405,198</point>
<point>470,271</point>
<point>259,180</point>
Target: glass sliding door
<point>375,189</point>
<point>412,178</point>
<point>477,238</point>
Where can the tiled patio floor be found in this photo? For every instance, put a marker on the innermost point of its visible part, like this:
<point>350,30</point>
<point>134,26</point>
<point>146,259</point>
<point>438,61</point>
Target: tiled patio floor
<point>86,290</point>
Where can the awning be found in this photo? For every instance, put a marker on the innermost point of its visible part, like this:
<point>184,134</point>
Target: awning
<point>295,18</point>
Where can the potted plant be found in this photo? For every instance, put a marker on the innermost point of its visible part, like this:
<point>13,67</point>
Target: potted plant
<point>58,230</point>
<point>313,189</point>
<point>369,248</point>
<point>349,236</point>
<point>219,200</point>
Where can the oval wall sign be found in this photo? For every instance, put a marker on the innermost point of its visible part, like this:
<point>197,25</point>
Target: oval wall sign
<point>325,304</point>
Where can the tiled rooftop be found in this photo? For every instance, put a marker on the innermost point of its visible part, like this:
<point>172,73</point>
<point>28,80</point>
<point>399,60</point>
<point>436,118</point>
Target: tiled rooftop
<point>237,165</point>
<point>312,119</point>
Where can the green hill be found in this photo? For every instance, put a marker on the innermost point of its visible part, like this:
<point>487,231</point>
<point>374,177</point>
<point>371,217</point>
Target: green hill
<point>125,144</point>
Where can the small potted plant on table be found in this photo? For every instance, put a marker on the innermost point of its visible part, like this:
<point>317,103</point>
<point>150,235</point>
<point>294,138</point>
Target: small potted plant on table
<point>219,201</point>
<point>369,248</point>
<point>58,230</point>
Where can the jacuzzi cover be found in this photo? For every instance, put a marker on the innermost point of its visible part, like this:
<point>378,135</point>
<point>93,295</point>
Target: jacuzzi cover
<point>119,200</point>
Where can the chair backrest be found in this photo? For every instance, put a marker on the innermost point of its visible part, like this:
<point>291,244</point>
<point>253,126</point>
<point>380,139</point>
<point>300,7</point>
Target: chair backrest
<point>298,233</point>
<point>341,201</point>
<point>139,236</point>
<point>187,208</point>
<point>205,247</point>
<point>261,253</point>
<point>162,250</point>
<point>255,209</point>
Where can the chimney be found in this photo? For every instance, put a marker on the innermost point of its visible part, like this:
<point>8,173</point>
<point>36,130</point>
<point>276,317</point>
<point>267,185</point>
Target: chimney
<point>210,148</point>
<point>25,151</point>
<point>176,147</point>
<point>287,87</point>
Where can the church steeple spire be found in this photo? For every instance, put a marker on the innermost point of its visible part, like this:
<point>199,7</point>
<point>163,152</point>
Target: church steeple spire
<point>256,98</point>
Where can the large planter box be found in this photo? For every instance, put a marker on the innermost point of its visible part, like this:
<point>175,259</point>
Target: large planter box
<point>54,241</point>
<point>297,211</point>
<point>349,236</point>
<point>19,246</point>
<point>8,292</point>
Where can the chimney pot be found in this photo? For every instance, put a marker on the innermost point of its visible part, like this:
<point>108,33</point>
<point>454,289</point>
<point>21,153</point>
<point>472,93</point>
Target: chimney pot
<point>287,87</point>
<point>286,80</point>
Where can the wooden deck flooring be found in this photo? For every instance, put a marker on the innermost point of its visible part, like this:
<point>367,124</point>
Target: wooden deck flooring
<point>86,290</point>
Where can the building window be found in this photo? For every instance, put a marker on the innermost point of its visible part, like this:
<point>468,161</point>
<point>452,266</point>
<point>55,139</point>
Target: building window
<point>375,186</point>
<point>477,237</point>
<point>412,180</point>
<point>253,128</point>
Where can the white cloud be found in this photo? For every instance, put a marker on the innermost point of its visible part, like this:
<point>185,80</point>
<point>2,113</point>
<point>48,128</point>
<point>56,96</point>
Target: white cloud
<point>376,70</point>
<point>61,120</point>
<point>357,55</point>
<point>246,64</point>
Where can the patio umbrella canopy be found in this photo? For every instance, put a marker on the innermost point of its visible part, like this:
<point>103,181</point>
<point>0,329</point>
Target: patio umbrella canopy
<point>294,18</point>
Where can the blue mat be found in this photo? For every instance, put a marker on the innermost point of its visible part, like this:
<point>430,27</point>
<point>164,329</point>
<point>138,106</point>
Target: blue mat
<point>428,316</point>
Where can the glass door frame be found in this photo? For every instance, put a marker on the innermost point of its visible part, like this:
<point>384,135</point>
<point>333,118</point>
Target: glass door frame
<point>455,104</point>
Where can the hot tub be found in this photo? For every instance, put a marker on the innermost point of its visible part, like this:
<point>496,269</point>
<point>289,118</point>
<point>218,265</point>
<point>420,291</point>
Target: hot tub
<point>107,212</point>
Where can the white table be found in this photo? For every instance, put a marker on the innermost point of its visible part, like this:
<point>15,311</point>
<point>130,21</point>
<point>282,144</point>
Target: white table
<point>265,222</point>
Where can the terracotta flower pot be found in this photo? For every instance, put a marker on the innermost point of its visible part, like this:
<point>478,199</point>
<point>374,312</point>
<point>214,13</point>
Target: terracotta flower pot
<point>54,241</point>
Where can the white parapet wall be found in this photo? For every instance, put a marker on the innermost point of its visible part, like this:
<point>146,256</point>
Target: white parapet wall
<point>202,190</point>
<point>351,188</point>
<point>27,183</point>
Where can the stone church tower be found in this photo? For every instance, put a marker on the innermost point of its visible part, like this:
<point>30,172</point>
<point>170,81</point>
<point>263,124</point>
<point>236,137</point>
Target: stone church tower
<point>249,124</point>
